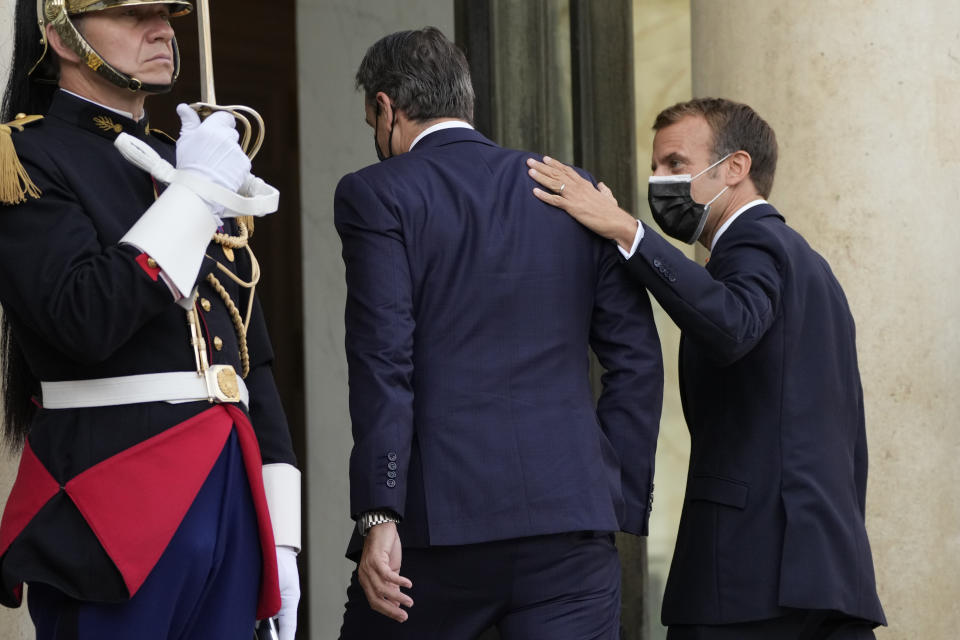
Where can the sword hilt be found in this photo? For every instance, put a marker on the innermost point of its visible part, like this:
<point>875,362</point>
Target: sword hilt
<point>251,140</point>
<point>252,133</point>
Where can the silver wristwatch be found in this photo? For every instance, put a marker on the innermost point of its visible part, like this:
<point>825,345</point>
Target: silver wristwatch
<point>370,519</point>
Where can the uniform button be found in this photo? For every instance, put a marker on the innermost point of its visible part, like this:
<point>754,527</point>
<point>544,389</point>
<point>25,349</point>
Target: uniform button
<point>205,304</point>
<point>392,456</point>
<point>152,263</point>
<point>217,343</point>
<point>657,263</point>
<point>391,483</point>
<point>391,474</point>
<point>672,278</point>
<point>392,466</point>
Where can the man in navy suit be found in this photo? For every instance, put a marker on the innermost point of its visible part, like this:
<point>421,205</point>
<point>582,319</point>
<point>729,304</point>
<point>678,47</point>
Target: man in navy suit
<point>478,449</point>
<point>772,542</point>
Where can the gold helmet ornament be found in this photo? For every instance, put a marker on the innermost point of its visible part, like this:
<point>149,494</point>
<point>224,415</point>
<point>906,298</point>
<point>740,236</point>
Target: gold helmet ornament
<point>58,13</point>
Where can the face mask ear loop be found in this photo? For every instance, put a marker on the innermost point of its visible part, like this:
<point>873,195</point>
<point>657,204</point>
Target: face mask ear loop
<point>393,126</point>
<point>712,200</point>
<point>380,154</point>
<point>711,167</point>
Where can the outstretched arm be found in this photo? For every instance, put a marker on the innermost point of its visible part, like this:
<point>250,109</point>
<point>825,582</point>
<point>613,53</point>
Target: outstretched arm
<point>729,307</point>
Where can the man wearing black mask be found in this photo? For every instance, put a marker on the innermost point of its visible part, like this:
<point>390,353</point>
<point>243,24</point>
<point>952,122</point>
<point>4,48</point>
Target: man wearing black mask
<point>772,542</point>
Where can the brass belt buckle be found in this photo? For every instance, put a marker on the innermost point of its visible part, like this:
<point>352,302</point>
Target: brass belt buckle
<point>222,385</point>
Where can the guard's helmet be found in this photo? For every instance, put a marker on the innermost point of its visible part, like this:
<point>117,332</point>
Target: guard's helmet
<point>59,12</point>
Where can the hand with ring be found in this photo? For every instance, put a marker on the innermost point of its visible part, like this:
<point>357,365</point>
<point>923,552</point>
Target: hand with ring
<point>593,207</point>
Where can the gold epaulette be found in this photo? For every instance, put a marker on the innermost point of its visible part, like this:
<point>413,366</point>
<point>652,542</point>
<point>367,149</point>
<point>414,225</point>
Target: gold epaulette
<point>15,184</point>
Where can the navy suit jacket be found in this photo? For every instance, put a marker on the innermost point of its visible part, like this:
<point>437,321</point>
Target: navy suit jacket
<point>774,509</point>
<point>470,309</point>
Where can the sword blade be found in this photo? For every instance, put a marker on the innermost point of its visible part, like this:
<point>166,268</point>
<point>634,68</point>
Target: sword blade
<point>207,92</point>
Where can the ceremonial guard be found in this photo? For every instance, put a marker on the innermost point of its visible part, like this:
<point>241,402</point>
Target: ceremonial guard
<point>157,495</point>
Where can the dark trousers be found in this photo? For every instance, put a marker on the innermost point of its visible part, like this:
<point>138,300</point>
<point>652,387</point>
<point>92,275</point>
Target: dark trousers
<point>204,586</point>
<point>797,625</point>
<point>555,587</point>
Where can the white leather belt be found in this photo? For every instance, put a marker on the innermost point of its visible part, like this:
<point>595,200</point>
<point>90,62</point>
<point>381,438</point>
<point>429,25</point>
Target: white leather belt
<point>219,383</point>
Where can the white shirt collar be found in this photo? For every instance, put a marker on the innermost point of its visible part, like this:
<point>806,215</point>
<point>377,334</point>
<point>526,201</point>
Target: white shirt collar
<point>125,114</point>
<point>447,124</point>
<point>730,220</point>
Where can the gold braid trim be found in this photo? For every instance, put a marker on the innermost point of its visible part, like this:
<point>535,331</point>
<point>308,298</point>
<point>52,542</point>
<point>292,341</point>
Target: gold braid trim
<point>238,324</point>
<point>234,242</point>
<point>15,183</point>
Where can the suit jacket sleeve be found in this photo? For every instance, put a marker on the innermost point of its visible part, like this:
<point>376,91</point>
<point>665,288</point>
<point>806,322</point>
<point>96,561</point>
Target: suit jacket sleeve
<point>379,345</point>
<point>727,307</point>
<point>625,341</point>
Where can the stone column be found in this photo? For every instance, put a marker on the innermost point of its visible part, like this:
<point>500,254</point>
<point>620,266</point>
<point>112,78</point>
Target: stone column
<point>602,39</point>
<point>865,100</point>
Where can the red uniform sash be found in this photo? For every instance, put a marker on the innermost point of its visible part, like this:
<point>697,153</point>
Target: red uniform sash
<point>135,500</point>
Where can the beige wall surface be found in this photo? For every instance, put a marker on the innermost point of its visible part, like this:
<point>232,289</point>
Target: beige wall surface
<point>865,99</point>
<point>6,39</point>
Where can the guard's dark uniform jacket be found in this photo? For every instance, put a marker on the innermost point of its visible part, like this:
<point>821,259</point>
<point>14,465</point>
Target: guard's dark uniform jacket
<point>102,490</point>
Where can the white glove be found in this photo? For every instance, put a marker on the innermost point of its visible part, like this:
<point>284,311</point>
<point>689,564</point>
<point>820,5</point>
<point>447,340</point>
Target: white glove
<point>211,148</point>
<point>289,579</point>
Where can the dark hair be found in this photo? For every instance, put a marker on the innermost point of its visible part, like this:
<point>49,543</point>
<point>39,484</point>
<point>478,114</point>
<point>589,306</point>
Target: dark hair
<point>18,384</point>
<point>425,75</point>
<point>735,127</point>
<point>26,92</point>
<point>30,94</point>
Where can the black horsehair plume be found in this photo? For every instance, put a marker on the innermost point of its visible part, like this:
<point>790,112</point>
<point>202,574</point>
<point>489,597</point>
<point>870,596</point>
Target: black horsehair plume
<point>30,94</point>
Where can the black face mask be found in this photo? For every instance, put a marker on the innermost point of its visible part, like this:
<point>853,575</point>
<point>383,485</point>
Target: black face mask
<point>380,156</point>
<point>674,209</point>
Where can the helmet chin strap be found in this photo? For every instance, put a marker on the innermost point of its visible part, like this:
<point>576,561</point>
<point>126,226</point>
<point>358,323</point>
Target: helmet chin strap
<point>95,62</point>
<point>56,14</point>
<point>134,84</point>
